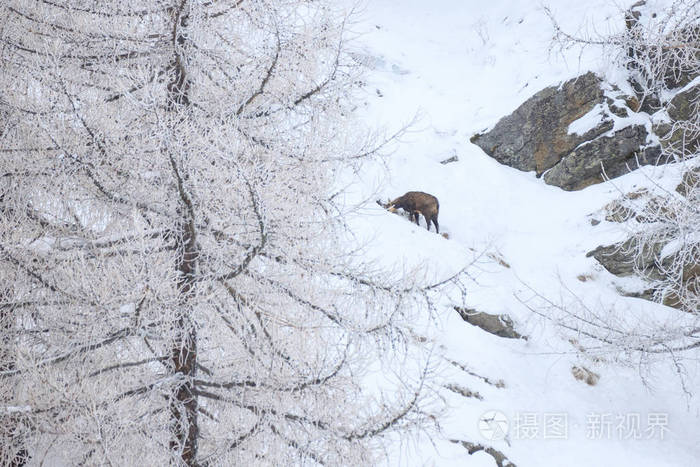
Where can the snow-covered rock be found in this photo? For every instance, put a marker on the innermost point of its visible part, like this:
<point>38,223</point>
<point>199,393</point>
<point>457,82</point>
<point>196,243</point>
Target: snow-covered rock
<point>536,136</point>
<point>569,134</point>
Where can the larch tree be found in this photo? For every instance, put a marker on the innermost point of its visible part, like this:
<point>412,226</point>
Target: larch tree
<point>176,282</point>
<point>663,54</point>
<point>659,48</point>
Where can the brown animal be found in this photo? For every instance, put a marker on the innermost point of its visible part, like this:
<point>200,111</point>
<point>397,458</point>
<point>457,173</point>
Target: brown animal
<point>415,203</point>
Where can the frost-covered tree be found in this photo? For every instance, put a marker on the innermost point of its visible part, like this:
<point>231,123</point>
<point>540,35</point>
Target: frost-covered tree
<point>659,44</point>
<point>660,50</point>
<point>664,242</point>
<point>663,53</point>
<point>177,284</point>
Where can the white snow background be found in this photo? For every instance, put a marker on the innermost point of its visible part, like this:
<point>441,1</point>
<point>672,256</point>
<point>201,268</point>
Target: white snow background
<point>459,66</point>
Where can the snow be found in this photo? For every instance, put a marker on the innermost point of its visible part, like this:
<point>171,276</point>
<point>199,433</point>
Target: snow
<point>458,66</point>
<point>588,121</point>
<point>17,409</point>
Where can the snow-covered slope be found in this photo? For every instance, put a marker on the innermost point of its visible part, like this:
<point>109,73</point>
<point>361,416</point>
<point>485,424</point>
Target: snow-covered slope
<point>459,66</point>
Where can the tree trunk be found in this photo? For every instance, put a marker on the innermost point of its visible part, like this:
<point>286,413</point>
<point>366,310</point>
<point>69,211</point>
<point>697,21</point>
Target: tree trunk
<point>183,406</point>
<point>12,449</point>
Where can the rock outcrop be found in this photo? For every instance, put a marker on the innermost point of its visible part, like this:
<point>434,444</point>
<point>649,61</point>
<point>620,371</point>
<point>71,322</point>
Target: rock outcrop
<point>498,325</point>
<point>616,154</point>
<point>690,180</point>
<point>683,105</point>
<point>630,258</point>
<point>539,135</point>
<point>535,136</point>
<point>622,259</point>
<point>680,135</point>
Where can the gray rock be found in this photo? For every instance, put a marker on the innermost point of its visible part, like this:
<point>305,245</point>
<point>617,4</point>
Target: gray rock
<point>690,181</point>
<point>622,260</point>
<point>535,136</point>
<point>620,210</point>
<point>499,325</point>
<point>682,136</point>
<point>583,166</point>
<point>500,458</point>
<point>678,69</point>
<point>616,211</point>
<point>582,373</point>
<point>682,106</point>
<point>680,72</point>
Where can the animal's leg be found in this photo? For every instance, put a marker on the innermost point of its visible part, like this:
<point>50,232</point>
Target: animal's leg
<point>437,227</point>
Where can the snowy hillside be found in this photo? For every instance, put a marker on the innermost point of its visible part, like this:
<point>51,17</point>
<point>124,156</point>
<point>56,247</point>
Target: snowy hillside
<point>457,67</point>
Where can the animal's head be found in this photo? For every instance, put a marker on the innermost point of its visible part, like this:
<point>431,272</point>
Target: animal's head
<point>387,205</point>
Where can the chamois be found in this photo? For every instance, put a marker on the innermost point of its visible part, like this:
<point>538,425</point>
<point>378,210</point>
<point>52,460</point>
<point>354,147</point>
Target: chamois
<point>415,203</point>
